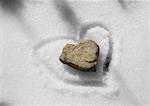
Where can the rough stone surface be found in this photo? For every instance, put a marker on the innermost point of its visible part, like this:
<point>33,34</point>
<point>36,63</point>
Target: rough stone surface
<point>82,56</point>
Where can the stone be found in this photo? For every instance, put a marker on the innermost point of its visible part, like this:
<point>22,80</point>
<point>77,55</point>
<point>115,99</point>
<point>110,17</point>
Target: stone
<point>82,56</point>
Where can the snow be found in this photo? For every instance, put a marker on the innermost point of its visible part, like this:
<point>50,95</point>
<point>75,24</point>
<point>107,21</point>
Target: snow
<point>31,74</point>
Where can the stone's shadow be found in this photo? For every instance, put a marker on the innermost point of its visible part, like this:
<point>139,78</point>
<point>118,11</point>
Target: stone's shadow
<point>88,83</point>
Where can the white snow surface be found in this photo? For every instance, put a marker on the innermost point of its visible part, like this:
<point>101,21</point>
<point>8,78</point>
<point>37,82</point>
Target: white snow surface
<point>30,44</point>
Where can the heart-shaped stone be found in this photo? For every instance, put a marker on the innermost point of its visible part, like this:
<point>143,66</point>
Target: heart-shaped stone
<point>82,56</point>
